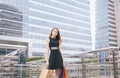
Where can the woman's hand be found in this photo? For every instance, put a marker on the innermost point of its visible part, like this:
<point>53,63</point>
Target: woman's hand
<point>47,63</point>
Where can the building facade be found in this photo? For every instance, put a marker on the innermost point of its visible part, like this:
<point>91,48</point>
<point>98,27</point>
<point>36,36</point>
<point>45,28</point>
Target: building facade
<point>107,23</point>
<point>106,34</point>
<point>107,27</point>
<point>117,16</point>
<point>33,20</point>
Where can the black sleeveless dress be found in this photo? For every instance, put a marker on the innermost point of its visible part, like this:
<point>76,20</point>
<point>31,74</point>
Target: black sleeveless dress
<point>55,59</point>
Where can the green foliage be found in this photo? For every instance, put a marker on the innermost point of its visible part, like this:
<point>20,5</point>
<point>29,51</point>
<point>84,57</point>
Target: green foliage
<point>26,72</point>
<point>89,61</point>
<point>34,59</point>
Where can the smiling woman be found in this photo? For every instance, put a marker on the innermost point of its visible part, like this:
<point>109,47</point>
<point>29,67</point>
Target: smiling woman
<point>55,60</point>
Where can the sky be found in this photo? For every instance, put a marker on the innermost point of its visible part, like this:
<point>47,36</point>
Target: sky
<point>92,13</point>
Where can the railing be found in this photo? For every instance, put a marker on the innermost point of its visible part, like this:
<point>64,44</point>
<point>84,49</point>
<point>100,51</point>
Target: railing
<point>8,67</point>
<point>74,70</point>
<point>89,66</point>
<point>95,66</point>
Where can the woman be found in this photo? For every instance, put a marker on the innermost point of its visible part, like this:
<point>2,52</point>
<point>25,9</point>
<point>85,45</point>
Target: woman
<point>55,60</point>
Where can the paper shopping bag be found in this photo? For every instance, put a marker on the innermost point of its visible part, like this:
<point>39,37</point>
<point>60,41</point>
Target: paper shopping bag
<point>44,73</point>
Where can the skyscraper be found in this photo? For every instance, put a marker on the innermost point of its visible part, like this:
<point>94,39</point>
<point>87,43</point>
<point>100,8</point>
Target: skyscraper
<point>107,31</point>
<point>107,24</point>
<point>117,17</point>
<point>38,17</point>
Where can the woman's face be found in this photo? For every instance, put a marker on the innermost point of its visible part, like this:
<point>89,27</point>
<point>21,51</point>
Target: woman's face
<point>54,32</point>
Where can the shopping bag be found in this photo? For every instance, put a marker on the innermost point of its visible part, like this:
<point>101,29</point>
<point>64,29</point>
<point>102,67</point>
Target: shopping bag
<point>63,73</point>
<point>44,73</point>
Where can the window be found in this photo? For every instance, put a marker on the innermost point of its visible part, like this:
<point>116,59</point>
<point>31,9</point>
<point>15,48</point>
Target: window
<point>111,1</point>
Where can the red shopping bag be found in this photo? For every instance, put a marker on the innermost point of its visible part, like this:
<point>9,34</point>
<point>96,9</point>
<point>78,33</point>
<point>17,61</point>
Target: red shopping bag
<point>63,73</point>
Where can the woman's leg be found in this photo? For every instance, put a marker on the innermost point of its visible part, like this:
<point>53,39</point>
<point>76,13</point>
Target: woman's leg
<point>57,73</point>
<point>49,73</point>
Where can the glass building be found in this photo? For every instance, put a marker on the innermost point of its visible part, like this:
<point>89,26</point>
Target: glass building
<point>107,24</point>
<point>33,20</point>
<point>107,29</point>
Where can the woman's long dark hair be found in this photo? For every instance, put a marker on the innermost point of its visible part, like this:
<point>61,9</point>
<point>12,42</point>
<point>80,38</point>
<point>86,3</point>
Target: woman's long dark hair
<point>58,37</point>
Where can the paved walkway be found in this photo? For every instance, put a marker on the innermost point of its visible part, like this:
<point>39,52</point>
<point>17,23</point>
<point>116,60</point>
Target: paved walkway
<point>103,77</point>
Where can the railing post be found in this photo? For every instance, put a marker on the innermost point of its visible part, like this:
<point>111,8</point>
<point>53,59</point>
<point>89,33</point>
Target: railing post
<point>1,71</point>
<point>83,67</point>
<point>21,75</point>
<point>11,71</point>
<point>38,70</point>
<point>30,75</point>
<point>114,64</point>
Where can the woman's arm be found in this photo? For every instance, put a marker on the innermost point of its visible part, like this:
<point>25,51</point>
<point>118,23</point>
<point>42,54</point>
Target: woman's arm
<point>47,51</point>
<point>60,46</point>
